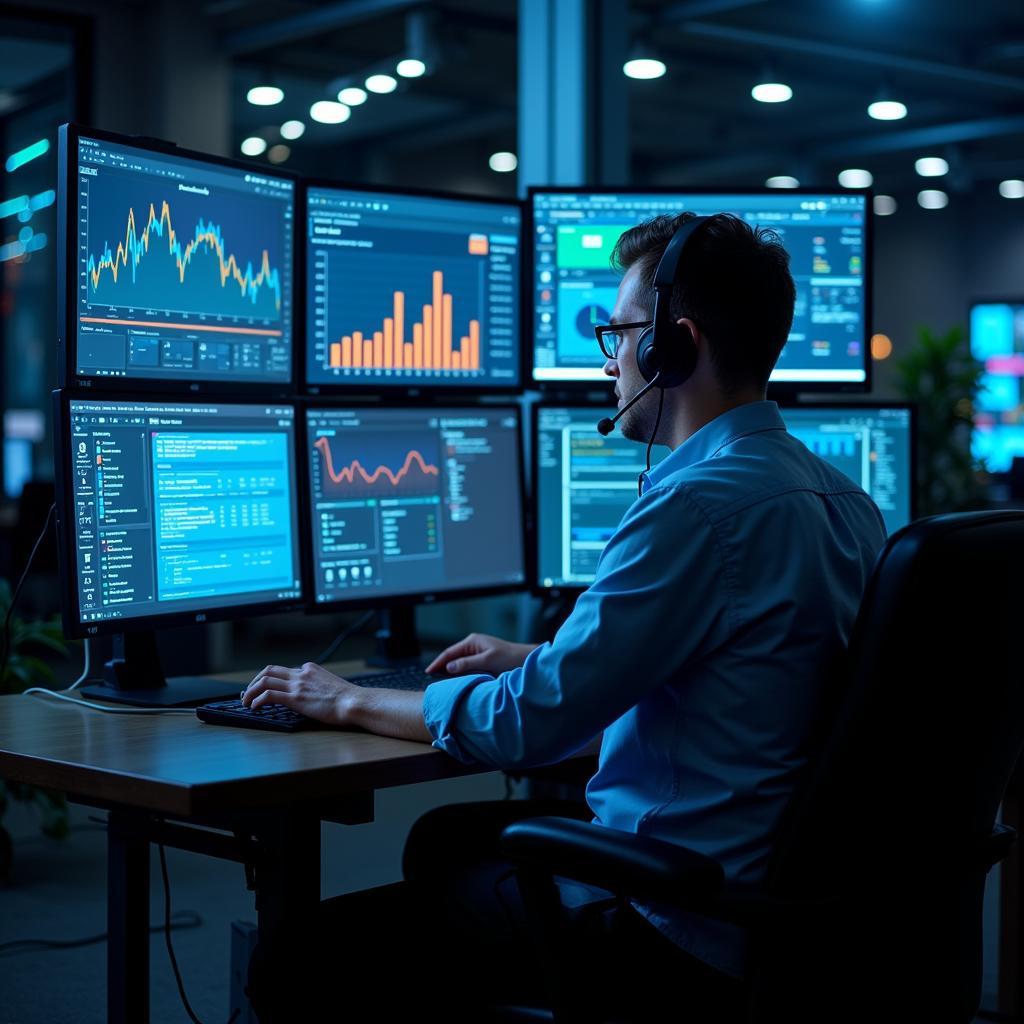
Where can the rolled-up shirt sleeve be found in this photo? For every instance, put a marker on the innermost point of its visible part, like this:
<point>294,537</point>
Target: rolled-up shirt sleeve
<point>623,640</point>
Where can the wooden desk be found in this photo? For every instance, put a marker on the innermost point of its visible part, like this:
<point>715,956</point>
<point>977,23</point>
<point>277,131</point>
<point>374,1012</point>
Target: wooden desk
<point>159,776</point>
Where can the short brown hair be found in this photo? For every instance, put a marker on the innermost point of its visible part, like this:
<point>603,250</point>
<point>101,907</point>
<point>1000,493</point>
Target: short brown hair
<point>733,282</point>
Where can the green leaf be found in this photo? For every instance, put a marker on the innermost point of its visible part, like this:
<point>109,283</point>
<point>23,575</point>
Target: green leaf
<point>34,668</point>
<point>941,376</point>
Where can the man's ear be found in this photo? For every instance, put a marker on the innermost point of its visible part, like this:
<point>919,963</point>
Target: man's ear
<point>686,322</point>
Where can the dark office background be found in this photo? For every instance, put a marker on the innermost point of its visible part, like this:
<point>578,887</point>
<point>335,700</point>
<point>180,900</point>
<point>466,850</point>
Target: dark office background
<point>183,71</point>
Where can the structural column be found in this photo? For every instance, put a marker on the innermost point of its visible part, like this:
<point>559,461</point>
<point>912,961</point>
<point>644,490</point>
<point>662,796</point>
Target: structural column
<point>573,125</point>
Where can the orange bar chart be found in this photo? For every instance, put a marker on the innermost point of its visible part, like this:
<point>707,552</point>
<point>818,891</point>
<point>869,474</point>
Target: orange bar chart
<point>431,346</point>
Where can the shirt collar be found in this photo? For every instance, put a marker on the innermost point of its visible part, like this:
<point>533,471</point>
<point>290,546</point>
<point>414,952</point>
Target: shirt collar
<point>751,418</point>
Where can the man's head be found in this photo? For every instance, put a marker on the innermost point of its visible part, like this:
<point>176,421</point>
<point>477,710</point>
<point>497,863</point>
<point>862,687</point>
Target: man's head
<point>733,292</point>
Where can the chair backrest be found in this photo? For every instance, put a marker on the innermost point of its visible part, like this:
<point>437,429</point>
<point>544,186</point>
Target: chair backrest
<point>927,724</point>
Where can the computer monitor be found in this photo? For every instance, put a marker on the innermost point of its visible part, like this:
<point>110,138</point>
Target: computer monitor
<point>171,513</point>
<point>176,268</point>
<point>412,503</point>
<point>411,291</point>
<point>997,341</point>
<point>584,483</point>
<point>827,235</point>
<point>872,444</point>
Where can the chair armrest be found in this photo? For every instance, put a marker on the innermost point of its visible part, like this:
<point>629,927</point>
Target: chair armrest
<point>639,867</point>
<point>998,845</point>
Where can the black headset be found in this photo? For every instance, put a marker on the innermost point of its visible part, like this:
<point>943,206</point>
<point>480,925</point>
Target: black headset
<point>668,348</point>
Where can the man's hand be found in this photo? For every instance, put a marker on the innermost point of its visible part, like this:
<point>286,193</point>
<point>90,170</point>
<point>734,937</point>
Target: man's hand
<point>316,693</point>
<point>310,690</point>
<point>479,652</point>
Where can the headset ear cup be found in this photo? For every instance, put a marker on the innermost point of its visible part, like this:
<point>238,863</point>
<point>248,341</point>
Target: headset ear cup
<point>648,357</point>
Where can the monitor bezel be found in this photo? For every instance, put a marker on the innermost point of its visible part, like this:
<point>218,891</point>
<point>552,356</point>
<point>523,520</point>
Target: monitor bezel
<point>412,392</point>
<point>781,390</point>
<point>555,593</point>
<point>68,136</point>
<point>361,599</point>
<point>74,627</point>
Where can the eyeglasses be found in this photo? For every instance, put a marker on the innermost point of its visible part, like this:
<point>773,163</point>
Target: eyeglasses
<point>609,336</point>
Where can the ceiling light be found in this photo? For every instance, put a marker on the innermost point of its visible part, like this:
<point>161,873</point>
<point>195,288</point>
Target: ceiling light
<point>329,112</point>
<point>279,153</point>
<point>381,84</point>
<point>293,130</point>
<point>644,68</point>
<point>503,162</point>
<point>771,92</point>
<point>782,181</point>
<point>884,206</point>
<point>855,177</point>
<point>265,95</point>
<point>254,145</point>
<point>1012,188</point>
<point>887,110</point>
<point>352,95</point>
<point>411,67</point>
<point>931,166</point>
<point>932,199</point>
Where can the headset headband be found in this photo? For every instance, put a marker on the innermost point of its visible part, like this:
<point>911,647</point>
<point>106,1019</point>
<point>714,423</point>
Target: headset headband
<point>665,275</point>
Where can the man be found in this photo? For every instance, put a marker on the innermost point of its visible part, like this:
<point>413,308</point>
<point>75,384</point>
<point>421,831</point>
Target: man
<point>700,651</point>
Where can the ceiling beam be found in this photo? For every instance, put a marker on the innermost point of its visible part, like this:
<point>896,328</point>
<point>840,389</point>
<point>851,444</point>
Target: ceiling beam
<point>312,23</point>
<point>834,51</point>
<point>914,138</point>
<point>687,9</point>
<point>756,161</point>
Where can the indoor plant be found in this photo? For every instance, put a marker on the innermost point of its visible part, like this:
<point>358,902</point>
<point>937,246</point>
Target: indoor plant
<point>941,377</point>
<point>24,668</point>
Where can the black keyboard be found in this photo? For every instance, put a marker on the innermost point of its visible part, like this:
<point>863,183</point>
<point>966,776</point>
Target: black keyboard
<point>282,719</point>
<point>411,678</point>
<point>269,716</point>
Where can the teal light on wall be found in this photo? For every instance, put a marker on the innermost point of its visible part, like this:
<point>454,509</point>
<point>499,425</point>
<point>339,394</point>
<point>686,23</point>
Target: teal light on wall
<point>26,155</point>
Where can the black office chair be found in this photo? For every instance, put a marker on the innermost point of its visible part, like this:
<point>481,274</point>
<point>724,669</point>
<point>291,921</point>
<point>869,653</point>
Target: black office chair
<point>872,907</point>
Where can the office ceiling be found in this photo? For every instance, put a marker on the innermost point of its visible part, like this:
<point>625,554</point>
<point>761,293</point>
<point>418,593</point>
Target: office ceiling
<point>959,68</point>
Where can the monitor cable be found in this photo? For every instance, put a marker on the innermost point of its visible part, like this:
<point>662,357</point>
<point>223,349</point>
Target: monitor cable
<point>86,665</point>
<point>17,591</point>
<point>170,945</point>
<point>58,695</point>
<point>181,921</point>
<point>344,635</point>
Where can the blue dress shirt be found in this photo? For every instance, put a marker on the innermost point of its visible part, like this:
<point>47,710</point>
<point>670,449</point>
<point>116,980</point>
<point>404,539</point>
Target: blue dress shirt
<point>700,650</point>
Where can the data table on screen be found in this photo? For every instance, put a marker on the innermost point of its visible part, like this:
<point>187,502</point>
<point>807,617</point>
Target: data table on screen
<point>181,507</point>
<point>585,482</point>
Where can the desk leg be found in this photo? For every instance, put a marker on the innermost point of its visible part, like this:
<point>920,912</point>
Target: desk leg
<point>127,921</point>
<point>288,872</point>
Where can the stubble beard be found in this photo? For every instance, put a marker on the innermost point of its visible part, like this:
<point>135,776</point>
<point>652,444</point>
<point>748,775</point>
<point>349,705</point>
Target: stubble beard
<point>638,423</point>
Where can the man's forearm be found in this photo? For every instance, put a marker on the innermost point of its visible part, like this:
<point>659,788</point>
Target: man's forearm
<point>397,713</point>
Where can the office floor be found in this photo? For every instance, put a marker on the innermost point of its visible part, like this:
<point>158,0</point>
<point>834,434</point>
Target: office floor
<point>58,891</point>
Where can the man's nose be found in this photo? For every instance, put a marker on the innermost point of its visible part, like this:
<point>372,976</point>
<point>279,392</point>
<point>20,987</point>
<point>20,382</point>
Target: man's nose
<point>611,368</point>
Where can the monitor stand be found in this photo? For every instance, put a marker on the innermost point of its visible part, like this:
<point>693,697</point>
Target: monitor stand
<point>397,642</point>
<point>134,676</point>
